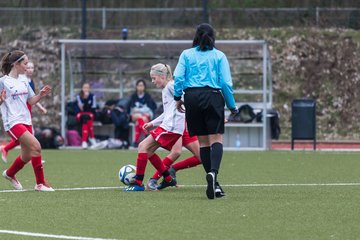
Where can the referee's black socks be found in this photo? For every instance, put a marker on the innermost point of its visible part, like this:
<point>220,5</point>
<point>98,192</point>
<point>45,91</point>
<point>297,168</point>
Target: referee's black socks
<point>216,154</point>
<point>205,158</point>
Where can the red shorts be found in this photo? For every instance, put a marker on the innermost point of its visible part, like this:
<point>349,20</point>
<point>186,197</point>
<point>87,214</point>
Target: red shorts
<point>165,138</point>
<point>19,129</point>
<point>186,138</point>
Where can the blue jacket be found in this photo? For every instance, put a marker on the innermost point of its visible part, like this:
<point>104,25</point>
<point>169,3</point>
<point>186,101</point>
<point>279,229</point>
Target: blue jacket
<point>204,68</point>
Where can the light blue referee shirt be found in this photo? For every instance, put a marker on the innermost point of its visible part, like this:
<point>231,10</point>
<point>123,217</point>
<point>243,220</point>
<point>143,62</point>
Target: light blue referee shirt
<point>204,68</point>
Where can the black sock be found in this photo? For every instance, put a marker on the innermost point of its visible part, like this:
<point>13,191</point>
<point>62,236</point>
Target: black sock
<point>216,156</point>
<point>205,158</point>
<point>139,177</point>
<point>165,173</point>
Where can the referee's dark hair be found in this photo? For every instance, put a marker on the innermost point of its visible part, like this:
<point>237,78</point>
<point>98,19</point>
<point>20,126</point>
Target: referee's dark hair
<point>204,37</point>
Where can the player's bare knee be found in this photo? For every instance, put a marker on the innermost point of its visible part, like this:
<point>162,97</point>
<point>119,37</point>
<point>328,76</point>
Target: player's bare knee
<point>35,149</point>
<point>142,147</point>
<point>175,154</point>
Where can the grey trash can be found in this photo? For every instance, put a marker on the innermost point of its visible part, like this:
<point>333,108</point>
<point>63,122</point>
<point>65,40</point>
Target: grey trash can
<point>303,121</point>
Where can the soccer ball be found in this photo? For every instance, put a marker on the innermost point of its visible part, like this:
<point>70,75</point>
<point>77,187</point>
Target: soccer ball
<point>127,174</point>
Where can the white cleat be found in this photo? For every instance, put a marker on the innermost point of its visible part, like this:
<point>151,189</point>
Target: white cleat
<point>14,182</point>
<point>43,187</point>
<point>84,145</point>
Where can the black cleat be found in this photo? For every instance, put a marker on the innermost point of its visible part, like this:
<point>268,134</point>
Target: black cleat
<point>210,191</point>
<point>165,184</point>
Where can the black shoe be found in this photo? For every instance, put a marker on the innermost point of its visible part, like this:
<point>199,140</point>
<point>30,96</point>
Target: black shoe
<point>210,191</point>
<point>165,184</point>
<point>219,192</point>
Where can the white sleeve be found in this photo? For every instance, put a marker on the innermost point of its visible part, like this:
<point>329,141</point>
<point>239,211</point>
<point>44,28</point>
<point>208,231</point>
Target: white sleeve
<point>157,121</point>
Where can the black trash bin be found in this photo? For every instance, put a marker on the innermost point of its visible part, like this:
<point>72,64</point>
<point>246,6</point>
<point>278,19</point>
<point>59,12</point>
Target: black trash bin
<point>303,121</point>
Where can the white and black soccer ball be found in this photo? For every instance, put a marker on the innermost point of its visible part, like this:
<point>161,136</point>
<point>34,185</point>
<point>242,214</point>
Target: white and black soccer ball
<point>127,174</point>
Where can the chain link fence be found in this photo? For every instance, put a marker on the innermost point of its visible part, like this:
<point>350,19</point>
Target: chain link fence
<point>117,18</point>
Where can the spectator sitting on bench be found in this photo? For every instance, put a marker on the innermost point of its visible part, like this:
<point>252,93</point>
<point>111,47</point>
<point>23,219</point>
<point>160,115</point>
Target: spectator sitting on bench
<point>86,101</point>
<point>141,109</point>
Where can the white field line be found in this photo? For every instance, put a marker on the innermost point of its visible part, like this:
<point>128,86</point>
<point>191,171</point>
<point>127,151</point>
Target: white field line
<point>195,186</point>
<point>50,235</point>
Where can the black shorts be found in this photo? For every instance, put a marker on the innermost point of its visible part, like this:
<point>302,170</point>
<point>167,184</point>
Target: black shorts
<point>204,111</point>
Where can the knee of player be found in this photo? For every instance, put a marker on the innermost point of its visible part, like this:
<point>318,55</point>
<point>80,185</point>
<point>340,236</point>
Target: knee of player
<point>35,148</point>
<point>142,147</point>
<point>174,154</point>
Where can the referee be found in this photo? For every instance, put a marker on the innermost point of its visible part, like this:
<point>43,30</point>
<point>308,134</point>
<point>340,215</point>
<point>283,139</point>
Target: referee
<point>203,73</point>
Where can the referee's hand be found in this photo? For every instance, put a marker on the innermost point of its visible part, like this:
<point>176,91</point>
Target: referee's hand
<point>180,106</point>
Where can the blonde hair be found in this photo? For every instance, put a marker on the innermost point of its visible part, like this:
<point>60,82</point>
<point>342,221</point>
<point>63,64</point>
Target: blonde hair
<point>162,69</point>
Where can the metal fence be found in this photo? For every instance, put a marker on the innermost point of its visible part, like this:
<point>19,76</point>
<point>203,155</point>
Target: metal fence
<point>115,18</point>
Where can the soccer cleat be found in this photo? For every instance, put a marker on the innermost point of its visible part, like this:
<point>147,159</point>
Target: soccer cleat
<point>172,172</point>
<point>210,191</point>
<point>14,182</point>
<point>219,192</point>
<point>3,154</point>
<point>43,187</point>
<point>165,184</point>
<point>134,188</point>
<point>84,145</point>
<point>152,185</point>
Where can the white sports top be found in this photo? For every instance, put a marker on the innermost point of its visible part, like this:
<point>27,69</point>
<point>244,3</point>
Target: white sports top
<point>14,109</point>
<point>171,119</point>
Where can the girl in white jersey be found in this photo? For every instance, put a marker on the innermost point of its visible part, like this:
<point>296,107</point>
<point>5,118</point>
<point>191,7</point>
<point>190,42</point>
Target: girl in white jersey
<point>170,127</point>
<point>14,94</point>
<point>27,77</point>
<point>158,72</point>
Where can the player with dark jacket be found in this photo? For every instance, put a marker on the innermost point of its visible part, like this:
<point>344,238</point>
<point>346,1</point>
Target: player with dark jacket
<point>141,109</point>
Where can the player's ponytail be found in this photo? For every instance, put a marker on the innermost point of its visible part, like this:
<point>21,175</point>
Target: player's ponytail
<point>162,69</point>
<point>204,37</point>
<point>8,61</point>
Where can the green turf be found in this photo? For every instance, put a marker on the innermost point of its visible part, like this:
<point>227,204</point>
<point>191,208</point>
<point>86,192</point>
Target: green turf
<point>248,212</point>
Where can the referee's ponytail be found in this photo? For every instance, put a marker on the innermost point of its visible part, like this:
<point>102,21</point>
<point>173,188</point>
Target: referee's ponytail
<point>204,37</point>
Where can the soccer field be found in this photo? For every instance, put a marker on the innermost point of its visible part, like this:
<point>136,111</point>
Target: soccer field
<point>270,195</point>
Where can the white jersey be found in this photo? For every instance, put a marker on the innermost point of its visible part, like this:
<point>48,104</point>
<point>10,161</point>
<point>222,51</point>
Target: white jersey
<point>24,78</point>
<point>171,119</point>
<point>14,109</point>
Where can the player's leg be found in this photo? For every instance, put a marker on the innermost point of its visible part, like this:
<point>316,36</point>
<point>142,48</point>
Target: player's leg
<point>31,150</point>
<point>171,157</point>
<point>90,126</point>
<point>216,157</point>
<point>5,149</point>
<point>146,147</point>
<point>15,133</point>
<point>84,129</point>
<point>174,154</point>
<point>139,123</point>
<point>192,144</point>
